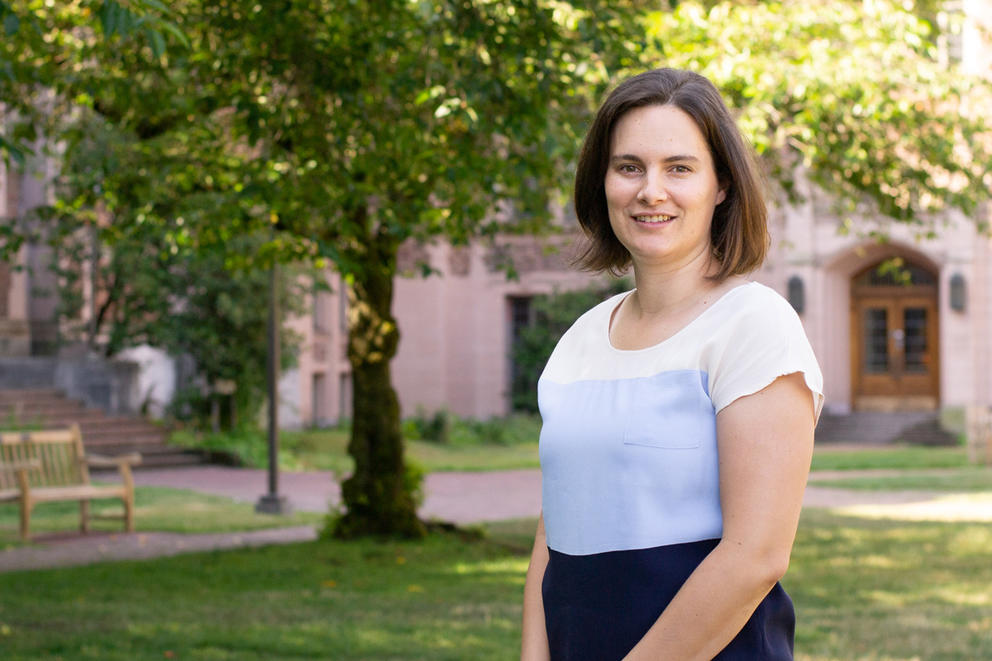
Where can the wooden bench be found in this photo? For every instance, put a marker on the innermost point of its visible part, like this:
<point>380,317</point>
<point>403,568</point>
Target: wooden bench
<point>50,465</point>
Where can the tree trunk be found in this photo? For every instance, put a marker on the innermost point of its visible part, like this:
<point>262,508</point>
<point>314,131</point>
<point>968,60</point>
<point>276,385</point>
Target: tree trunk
<point>379,496</point>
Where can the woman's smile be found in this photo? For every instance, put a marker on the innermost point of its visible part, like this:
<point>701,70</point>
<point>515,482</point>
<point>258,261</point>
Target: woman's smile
<point>661,186</point>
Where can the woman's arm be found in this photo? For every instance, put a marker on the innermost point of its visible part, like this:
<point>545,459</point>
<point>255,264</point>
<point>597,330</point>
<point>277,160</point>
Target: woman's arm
<point>765,445</point>
<point>534,646</point>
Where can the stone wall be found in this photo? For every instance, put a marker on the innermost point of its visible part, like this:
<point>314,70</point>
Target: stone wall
<point>110,385</point>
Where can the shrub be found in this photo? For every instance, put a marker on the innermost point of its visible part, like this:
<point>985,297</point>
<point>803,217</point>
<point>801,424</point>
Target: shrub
<point>553,314</point>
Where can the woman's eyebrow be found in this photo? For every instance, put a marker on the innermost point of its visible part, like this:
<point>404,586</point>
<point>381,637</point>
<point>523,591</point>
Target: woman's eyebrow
<point>667,159</point>
<point>625,157</point>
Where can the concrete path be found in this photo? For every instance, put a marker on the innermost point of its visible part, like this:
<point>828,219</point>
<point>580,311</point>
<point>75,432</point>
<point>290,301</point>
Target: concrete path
<point>461,498</point>
<point>456,497</point>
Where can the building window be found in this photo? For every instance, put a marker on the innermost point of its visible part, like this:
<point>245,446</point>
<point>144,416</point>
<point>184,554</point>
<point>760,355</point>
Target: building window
<point>344,397</point>
<point>522,375</point>
<point>318,408</point>
<point>343,306</point>
<point>319,311</point>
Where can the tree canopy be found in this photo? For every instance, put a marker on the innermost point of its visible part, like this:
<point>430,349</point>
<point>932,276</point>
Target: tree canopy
<point>330,132</point>
<point>855,92</point>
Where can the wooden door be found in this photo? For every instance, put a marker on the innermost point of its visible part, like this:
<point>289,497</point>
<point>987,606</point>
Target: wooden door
<point>895,349</point>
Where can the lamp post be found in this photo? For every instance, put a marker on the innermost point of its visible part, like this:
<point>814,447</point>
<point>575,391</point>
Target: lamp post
<point>272,502</point>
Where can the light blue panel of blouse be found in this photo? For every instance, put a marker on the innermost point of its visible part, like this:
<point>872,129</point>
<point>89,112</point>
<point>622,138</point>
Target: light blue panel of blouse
<point>629,463</point>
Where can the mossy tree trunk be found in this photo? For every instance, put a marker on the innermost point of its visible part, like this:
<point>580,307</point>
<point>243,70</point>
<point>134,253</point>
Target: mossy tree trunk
<point>378,497</point>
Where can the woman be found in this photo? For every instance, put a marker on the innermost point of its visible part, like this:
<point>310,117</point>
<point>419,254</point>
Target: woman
<point>678,417</point>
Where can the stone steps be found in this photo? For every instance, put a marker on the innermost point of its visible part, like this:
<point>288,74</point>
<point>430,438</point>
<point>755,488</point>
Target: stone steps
<point>102,434</point>
<point>878,428</point>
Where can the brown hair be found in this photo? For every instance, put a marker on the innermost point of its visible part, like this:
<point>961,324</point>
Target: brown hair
<point>739,233</point>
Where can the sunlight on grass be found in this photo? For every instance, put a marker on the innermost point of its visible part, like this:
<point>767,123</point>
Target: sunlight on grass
<point>970,478</point>
<point>954,507</point>
<point>864,589</point>
<point>159,509</point>
<point>901,457</point>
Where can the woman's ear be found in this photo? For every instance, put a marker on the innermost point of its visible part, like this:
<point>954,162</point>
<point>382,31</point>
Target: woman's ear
<point>721,194</point>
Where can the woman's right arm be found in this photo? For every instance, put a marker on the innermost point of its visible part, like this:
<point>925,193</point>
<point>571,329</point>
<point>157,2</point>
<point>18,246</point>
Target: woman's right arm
<point>534,646</point>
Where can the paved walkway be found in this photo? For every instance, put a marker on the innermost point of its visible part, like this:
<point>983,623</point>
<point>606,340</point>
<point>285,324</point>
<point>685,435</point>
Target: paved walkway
<point>456,497</point>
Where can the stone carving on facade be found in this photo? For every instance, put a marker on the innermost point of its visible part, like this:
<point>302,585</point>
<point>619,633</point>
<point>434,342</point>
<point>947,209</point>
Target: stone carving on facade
<point>459,260</point>
<point>4,290</point>
<point>412,257</point>
<point>530,254</point>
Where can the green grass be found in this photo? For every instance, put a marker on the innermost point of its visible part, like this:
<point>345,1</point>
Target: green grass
<point>972,478</point>
<point>327,449</point>
<point>156,508</point>
<point>895,457</point>
<point>892,590</point>
<point>864,590</point>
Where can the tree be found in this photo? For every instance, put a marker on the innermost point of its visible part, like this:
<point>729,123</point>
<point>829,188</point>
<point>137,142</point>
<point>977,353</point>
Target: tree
<point>118,123</point>
<point>342,129</point>
<point>854,92</point>
<point>383,122</point>
<point>52,61</point>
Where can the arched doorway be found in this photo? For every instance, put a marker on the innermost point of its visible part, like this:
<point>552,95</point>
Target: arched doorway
<point>894,357</point>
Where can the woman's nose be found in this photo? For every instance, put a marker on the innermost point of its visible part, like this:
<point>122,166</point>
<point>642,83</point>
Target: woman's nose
<point>653,190</point>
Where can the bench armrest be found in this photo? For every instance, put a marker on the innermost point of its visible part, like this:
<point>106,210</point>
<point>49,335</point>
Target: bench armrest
<point>25,464</point>
<point>99,460</point>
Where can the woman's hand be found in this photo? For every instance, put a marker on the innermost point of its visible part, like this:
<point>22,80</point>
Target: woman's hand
<point>534,644</point>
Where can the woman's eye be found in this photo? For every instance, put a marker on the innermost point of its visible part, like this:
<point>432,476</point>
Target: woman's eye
<point>628,168</point>
<point>681,169</point>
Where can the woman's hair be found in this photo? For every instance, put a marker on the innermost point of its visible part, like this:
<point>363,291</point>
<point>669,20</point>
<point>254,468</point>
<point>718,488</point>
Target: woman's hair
<point>739,232</point>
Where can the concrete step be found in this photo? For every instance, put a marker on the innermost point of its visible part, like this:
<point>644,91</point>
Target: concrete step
<point>878,428</point>
<point>102,434</point>
<point>43,411</point>
<point>118,426</point>
<point>29,394</point>
<point>97,441</point>
<point>161,457</point>
<point>84,416</point>
<point>928,432</point>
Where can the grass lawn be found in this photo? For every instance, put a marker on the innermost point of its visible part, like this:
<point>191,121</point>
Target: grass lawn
<point>156,508</point>
<point>863,589</point>
<point>326,449</point>
<point>826,457</point>
<point>966,479</point>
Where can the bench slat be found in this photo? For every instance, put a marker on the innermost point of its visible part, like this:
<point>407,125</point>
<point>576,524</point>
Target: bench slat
<point>50,494</point>
<point>59,473</point>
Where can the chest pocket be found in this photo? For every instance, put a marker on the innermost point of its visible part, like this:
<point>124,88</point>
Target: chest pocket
<point>671,410</point>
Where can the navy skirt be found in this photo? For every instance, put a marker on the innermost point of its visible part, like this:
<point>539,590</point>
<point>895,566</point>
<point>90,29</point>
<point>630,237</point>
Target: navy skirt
<point>597,607</point>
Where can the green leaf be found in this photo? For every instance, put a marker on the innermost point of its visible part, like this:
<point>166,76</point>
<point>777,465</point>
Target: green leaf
<point>155,4</point>
<point>11,23</point>
<point>175,32</point>
<point>156,41</point>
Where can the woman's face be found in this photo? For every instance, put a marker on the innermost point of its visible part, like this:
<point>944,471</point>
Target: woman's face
<point>661,187</point>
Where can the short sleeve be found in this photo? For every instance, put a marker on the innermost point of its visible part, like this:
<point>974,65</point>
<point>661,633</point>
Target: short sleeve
<point>762,342</point>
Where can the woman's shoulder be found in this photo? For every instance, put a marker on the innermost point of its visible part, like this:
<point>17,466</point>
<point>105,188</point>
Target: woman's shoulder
<point>756,301</point>
<point>752,313</point>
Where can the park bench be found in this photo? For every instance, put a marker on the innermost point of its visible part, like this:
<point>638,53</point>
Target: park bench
<point>50,465</point>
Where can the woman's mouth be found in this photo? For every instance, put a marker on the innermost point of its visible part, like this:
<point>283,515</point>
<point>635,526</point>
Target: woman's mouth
<point>652,219</point>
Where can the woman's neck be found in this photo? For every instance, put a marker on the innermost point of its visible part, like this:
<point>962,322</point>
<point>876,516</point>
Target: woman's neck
<point>663,292</point>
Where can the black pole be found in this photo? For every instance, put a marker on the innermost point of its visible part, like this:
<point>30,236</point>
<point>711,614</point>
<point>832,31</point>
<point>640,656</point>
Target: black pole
<point>272,502</point>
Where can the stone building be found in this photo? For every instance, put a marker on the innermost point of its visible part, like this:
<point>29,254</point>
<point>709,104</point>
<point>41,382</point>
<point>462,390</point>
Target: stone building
<point>922,346</point>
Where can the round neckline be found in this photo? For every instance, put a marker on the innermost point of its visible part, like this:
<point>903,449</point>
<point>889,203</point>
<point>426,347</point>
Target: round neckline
<point>611,311</point>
